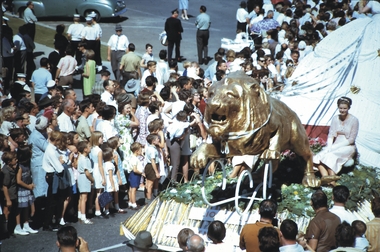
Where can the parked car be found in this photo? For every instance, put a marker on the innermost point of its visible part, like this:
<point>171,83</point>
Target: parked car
<point>65,8</point>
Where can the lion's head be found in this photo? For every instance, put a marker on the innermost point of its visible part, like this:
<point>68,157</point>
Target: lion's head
<point>235,104</point>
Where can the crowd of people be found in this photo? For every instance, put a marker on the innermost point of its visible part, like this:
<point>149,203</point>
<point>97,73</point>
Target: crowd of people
<point>58,151</point>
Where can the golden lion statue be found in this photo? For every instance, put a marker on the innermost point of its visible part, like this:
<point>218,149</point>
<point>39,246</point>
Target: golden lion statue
<point>244,120</point>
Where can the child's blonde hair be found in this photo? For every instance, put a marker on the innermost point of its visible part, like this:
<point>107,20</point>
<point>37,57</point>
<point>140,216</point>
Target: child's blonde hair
<point>186,64</point>
<point>94,139</point>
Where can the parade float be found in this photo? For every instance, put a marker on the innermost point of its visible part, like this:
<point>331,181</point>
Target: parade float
<point>244,120</point>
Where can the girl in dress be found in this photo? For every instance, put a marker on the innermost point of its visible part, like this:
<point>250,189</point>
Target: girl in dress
<point>25,194</point>
<point>89,73</point>
<point>110,171</point>
<point>85,179</point>
<point>119,177</point>
<point>340,143</point>
<point>96,155</point>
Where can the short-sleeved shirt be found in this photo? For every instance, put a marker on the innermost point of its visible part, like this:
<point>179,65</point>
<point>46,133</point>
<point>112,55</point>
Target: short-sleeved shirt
<point>150,153</point>
<point>322,228</point>
<point>84,163</point>
<point>134,161</point>
<point>75,30</point>
<point>130,61</point>
<point>249,235</point>
<point>83,129</point>
<point>9,181</point>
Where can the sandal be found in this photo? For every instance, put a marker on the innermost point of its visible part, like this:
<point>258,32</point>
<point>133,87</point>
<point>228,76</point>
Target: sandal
<point>87,221</point>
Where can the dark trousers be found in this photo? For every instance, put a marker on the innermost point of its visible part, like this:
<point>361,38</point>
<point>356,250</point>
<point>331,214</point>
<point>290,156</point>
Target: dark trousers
<point>202,44</point>
<point>54,204</point>
<point>31,30</point>
<point>171,44</point>
<point>98,58</point>
<point>115,62</point>
<point>39,215</point>
<point>75,52</point>
<point>8,63</point>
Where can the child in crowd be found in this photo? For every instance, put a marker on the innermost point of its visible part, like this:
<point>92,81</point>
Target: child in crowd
<point>109,170</point>
<point>152,159</point>
<point>135,175</point>
<point>25,194</point>
<point>114,143</point>
<point>360,241</point>
<point>157,127</point>
<point>3,147</point>
<point>96,155</point>
<point>85,179</point>
<point>9,171</point>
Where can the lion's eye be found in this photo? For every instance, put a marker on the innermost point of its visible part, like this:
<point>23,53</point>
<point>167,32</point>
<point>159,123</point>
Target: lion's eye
<point>210,94</point>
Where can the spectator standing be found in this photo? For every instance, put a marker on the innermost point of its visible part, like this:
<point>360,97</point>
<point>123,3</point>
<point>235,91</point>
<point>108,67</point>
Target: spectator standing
<point>162,70</point>
<point>89,35</point>
<point>184,6</point>
<point>195,243</point>
<point>373,227</point>
<point>249,234</point>
<point>74,35</point>
<point>98,32</point>
<point>65,122</point>
<point>203,23</point>
<point>320,233</point>
<point>89,73</point>
<point>360,241</point>
<point>30,19</point>
<point>345,238</point>
<point>148,56</point>
<point>98,86</point>
<point>107,95</point>
<point>173,28</point>
<point>117,47</point>
<point>60,40</point>
<point>40,78</point>
<point>241,17</point>
<point>20,51</point>
<point>268,239</point>
<point>340,197</point>
<point>83,128</point>
<point>130,63</point>
<point>288,233</point>
<point>65,69</point>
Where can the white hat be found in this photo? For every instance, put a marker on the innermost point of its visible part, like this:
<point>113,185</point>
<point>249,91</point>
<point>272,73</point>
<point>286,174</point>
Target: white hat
<point>42,123</point>
<point>50,84</point>
<point>88,18</point>
<point>21,75</point>
<point>76,16</point>
<point>92,14</point>
<point>27,88</point>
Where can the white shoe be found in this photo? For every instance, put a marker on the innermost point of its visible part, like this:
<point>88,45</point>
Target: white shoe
<point>30,230</point>
<point>62,222</point>
<point>20,231</point>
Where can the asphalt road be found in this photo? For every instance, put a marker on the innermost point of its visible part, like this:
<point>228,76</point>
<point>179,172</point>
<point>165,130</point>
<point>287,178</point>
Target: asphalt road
<point>142,23</point>
<point>145,19</point>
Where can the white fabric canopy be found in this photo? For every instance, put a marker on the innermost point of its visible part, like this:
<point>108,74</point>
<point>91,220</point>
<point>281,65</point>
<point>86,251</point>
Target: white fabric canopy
<point>348,57</point>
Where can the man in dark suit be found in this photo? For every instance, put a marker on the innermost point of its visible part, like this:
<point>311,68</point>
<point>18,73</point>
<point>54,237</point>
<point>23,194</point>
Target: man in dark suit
<point>173,28</point>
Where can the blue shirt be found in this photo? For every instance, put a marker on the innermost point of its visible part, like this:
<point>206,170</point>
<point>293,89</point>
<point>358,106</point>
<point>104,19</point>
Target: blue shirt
<point>203,21</point>
<point>40,77</point>
<point>38,173</point>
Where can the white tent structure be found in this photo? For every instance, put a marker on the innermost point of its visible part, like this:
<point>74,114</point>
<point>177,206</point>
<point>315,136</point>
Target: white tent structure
<point>346,61</point>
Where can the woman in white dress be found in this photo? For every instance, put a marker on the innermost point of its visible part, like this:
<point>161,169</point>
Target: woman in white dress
<point>340,143</point>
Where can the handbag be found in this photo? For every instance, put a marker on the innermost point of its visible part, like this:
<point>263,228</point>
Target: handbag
<point>163,38</point>
<point>104,199</point>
